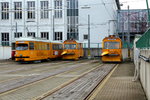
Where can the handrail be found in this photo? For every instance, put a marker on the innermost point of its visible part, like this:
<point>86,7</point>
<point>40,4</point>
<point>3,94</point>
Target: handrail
<point>144,58</point>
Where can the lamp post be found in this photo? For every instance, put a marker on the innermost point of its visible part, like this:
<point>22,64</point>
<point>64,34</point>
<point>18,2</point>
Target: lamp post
<point>128,27</point>
<point>129,57</point>
<point>89,52</point>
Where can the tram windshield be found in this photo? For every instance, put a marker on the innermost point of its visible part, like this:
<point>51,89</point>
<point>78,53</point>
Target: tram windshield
<point>70,46</point>
<point>111,45</point>
<point>22,47</point>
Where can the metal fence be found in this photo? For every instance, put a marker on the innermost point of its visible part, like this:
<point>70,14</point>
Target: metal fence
<point>127,45</point>
<point>92,45</point>
<point>144,41</point>
<point>85,45</point>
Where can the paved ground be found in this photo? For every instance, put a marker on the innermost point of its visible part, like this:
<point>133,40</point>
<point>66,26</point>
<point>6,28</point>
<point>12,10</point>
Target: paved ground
<point>29,81</point>
<point>120,85</point>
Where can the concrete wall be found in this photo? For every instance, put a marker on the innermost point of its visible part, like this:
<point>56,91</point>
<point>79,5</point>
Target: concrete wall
<point>5,53</point>
<point>145,72</point>
<point>126,53</point>
<point>94,52</point>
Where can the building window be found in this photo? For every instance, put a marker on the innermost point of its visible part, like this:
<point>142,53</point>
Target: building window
<point>5,10</point>
<point>85,37</point>
<point>31,34</point>
<point>45,35</point>
<point>72,36</point>
<point>31,9</point>
<point>58,36</point>
<point>72,19</point>
<point>18,34</point>
<point>18,10</point>
<point>44,10</point>
<point>5,39</point>
<point>58,8</point>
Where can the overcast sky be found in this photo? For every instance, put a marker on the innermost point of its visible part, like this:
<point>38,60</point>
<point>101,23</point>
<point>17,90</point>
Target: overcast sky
<point>134,4</point>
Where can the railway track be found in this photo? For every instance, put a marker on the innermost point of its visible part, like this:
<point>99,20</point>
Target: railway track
<point>79,88</point>
<point>75,82</point>
<point>19,67</point>
<point>23,81</point>
<point>24,70</point>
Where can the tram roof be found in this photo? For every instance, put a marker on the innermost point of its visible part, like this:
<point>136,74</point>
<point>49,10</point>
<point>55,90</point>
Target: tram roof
<point>35,39</point>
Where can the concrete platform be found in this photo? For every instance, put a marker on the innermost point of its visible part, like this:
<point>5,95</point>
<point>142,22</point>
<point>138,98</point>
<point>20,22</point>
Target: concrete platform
<point>120,86</point>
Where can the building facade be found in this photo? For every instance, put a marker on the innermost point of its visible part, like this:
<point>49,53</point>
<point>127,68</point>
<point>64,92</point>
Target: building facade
<point>57,20</point>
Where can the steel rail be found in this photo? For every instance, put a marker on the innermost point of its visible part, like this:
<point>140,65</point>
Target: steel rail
<point>24,82</point>
<point>23,69</point>
<point>81,87</point>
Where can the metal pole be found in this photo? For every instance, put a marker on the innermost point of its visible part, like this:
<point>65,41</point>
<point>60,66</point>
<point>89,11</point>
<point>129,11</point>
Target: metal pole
<point>108,27</point>
<point>118,22</point>
<point>53,28</point>
<point>128,27</point>
<point>89,53</point>
<point>122,26</point>
<point>16,28</point>
<point>128,33</point>
<point>148,12</point>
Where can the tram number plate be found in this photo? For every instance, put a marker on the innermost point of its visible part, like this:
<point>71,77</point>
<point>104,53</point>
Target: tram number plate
<point>55,52</point>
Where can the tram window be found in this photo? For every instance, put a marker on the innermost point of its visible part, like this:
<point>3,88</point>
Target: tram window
<point>48,48</point>
<point>22,47</point>
<point>60,47</point>
<point>45,47</point>
<point>40,47</point>
<point>57,47</point>
<point>36,46</point>
<point>31,46</point>
<point>111,45</point>
<point>70,46</point>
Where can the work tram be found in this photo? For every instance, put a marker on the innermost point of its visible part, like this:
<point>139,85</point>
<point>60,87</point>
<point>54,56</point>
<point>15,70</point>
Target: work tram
<point>72,50</point>
<point>111,49</point>
<point>32,49</point>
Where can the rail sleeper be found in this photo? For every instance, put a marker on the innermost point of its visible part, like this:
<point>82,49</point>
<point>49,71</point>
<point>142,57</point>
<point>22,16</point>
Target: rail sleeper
<point>82,87</point>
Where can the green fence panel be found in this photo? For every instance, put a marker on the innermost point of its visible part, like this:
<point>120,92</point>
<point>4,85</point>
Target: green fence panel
<point>144,41</point>
<point>126,45</point>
